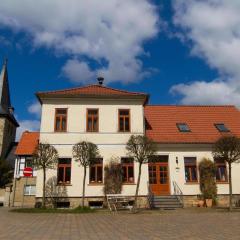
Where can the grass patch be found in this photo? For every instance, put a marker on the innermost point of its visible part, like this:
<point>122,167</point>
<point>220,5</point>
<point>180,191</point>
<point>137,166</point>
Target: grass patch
<point>54,210</point>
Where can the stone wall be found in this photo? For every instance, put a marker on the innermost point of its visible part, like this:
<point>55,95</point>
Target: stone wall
<point>75,202</point>
<point>221,201</point>
<point>7,135</point>
<point>18,198</point>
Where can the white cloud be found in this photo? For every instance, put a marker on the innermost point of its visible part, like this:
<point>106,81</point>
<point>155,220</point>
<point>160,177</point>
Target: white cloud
<point>213,28</point>
<point>35,108</point>
<point>113,31</point>
<point>78,71</point>
<point>29,125</point>
<point>200,92</point>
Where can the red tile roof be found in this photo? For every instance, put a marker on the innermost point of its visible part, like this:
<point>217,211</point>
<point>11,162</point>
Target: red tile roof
<point>92,90</point>
<point>161,123</point>
<point>27,143</point>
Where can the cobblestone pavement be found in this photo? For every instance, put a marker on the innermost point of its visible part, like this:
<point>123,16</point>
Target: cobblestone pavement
<point>181,224</point>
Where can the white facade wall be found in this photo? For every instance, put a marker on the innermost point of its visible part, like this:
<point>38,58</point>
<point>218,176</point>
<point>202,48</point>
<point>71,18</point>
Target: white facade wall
<point>111,143</point>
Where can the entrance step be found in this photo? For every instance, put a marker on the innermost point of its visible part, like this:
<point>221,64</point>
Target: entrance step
<point>166,202</point>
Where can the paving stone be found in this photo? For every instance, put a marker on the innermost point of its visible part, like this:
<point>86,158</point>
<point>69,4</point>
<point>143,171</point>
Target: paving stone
<point>181,224</point>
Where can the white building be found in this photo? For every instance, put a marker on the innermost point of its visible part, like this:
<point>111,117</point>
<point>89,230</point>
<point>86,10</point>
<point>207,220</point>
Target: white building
<point>108,117</point>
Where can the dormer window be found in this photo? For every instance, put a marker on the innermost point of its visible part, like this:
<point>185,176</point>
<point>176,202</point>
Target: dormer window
<point>183,127</point>
<point>221,127</point>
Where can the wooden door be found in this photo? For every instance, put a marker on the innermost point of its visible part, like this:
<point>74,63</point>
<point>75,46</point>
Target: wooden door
<point>159,178</point>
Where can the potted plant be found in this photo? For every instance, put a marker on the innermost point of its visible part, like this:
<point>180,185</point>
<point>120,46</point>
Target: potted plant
<point>200,201</point>
<point>207,171</point>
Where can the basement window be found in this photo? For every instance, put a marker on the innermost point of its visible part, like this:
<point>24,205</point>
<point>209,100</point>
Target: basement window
<point>183,127</point>
<point>221,127</point>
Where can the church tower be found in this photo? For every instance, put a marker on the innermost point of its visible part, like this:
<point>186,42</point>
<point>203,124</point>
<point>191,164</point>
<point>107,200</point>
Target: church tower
<point>8,123</point>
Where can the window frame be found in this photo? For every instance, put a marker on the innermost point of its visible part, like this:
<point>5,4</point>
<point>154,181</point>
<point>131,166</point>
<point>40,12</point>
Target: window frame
<point>30,191</point>
<point>183,131</point>
<point>190,166</point>
<point>96,166</point>
<point>124,116</point>
<point>221,131</point>
<point>127,166</point>
<point>92,117</point>
<point>61,116</point>
<point>27,159</point>
<point>218,165</point>
<point>64,166</point>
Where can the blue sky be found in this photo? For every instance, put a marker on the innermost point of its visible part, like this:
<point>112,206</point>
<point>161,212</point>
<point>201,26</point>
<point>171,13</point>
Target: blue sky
<point>178,52</point>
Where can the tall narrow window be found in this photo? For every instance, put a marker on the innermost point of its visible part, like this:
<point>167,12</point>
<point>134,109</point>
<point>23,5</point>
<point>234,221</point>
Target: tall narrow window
<point>28,162</point>
<point>64,170</point>
<point>124,120</point>
<point>128,170</point>
<point>221,170</point>
<point>96,171</point>
<point>190,169</point>
<point>92,120</point>
<point>61,120</point>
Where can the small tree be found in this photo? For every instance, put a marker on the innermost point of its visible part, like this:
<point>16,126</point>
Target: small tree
<point>113,177</point>
<point>85,153</point>
<point>207,172</point>
<point>6,173</point>
<point>45,157</point>
<point>227,148</point>
<point>141,148</point>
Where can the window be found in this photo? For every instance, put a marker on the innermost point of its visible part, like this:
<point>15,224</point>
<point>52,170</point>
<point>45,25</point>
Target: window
<point>30,190</point>
<point>96,171</point>
<point>64,170</point>
<point>183,127</point>
<point>61,120</point>
<point>92,120</point>
<point>152,171</point>
<point>124,120</point>
<point>28,162</point>
<point>221,127</point>
<point>128,169</point>
<point>190,169</point>
<point>221,170</point>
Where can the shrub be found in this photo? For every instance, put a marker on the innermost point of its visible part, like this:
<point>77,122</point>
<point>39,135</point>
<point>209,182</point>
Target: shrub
<point>113,177</point>
<point>207,171</point>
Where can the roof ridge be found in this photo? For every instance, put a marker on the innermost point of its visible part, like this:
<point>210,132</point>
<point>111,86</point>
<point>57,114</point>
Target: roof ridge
<point>91,85</point>
<point>175,105</point>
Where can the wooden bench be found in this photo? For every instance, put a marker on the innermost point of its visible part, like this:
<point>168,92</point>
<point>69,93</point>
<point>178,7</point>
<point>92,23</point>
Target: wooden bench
<point>117,202</point>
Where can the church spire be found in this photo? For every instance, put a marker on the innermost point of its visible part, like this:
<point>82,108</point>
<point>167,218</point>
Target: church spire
<point>5,102</point>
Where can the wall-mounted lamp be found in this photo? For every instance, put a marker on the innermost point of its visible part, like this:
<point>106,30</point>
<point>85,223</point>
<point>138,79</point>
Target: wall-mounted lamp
<point>177,168</point>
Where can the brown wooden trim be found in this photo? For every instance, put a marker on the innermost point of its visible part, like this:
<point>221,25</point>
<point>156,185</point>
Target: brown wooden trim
<point>87,115</point>
<point>191,165</point>
<point>64,166</point>
<point>129,116</point>
<point>127,165</point>
<point>55,129</point>
<point>96,165</point>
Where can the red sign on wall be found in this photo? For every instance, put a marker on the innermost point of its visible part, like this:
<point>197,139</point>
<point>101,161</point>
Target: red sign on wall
<point>27,172</point>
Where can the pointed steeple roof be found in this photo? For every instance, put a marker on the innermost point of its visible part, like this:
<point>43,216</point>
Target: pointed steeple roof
<point>5,102</point>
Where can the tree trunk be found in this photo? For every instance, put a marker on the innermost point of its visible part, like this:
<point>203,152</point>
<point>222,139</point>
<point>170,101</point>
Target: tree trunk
<point>230,185</point>
<point>83,192</point>
<point>138,183</point>
<point>44,183</point>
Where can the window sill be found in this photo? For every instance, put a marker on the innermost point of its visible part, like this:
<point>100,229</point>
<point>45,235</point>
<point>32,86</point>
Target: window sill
<point>95,184</point>
<point>64,184</point>
<point>191,183</point>
<point>223,182</point>
<point>60,131</point>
